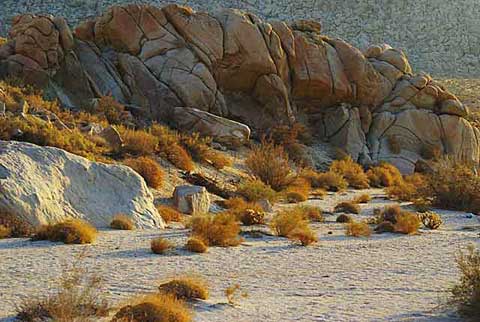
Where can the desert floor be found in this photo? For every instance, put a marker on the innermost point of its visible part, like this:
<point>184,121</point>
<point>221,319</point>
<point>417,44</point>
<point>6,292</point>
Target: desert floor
<point>382,278</point>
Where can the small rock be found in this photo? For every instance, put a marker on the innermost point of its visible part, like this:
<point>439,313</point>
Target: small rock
<point>191,199</point>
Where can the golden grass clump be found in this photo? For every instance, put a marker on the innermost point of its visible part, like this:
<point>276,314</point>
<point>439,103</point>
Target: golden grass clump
<point>358,229</point>
<point>231,293</point>
<point>186,287</point>
<point>348,207</point>
<point>256,190</point>
<point>311,213</point>
<point>139,143</point>
<point>73,231</point>
<point>407,223</point>
<point>293,225</point>
<point>5,232</point>
<point>363,199</point>
<point>343,218</point>
<point>305,236</point>
<point>155,307</point>
<point>298,190</point>
<point>248,213</point>
<point>270,164</point>
<point>216,230</point>
<point>352,172</point>
<point>170,148</point>
<point>170,214</point>
<point>113,111</point>
<point>149,169</point>
<point>196,245</point>
<point>160,245</point>
<point>14,226</point>
<point>122,222</point>
<point>201,151</point>
<point>330,181</point>
<point>431,220</point>
<point>408,189</point>
<point>384,175</point>
<point>465,295</point>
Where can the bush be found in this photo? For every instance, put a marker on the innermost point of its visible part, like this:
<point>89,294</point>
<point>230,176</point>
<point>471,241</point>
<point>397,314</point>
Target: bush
<point>201,151</point>
<point>298,190</point>
<point>306,236</point>
<point>329,181</point>
<point>269,163</point>
<point>169,214</point>
<point>287,221</point>
<point>311,213</point>
<point>384,175</point>
<point>358,229</point>
<point>465,295</point>
<point>155,307</point>
<point>352,172</point>
<point>196,245</point>
<point>5,232</point>
<point>431,220</point>
<point>149,169</point>
<point>407,223</point>
<point>15,227</point>
<point>160,245</point>
<point>74,231</point>
<point>216,230</point>
<point>113,111</point>
<point>186,288</point>
<point>363,199</point>
<point>347,207</point>
<point>256,190</point>
<point>246,212</point>
<point>170,148</point>
<point>122,222</point>
<point>390,214</point>
<point>138,142</point>
<point>343,218</point>
<point>407,189</point>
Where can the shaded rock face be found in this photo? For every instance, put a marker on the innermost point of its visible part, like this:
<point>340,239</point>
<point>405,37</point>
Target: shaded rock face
<point>191,199</point>
<point>44,185</point>
<point>232,64</point>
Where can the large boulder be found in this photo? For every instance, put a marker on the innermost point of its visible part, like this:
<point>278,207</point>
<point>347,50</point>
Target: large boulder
<point>44,185</point>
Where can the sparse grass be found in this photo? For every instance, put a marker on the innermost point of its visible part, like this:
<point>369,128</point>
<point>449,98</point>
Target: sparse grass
<point>311,213</point>
<point>111,110</point>
<point>351,171</point>
<point>270,164</point>
<point>231,293</point>
<point>138,143</point>
<point>248,213</point>
<point>431,152</point>
<point>149,169</point>
<point>285,222</point>
<point>384,175</point>
<point>15,227</point>
<point>298,190</point>
<point>343,218</point>
<point>122,222</point>
<point>363,199</point>
<point>201,151</point>
<point>188,287</point>
<point>196,245</point>
<point>170,214</point>
<point>5,232</point>
<point>431,220</point>
<point>256,190</point>
<point>348,207</point>
<point>329,181</point>
<point>465,295</point>
<point>155,307</point>
<point>170,148</point>
<point>74,231</point>
<point>408,189</point>
<point>358,229</point>
<point>160,245</point>
<point>305,236</point>
<point>216,230</point>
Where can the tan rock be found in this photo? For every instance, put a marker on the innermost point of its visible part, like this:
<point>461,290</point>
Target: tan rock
<point>191,199</point>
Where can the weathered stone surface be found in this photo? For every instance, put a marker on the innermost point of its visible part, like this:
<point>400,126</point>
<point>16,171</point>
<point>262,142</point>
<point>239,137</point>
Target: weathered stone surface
<point>191,199</point>
<point>45,185</point>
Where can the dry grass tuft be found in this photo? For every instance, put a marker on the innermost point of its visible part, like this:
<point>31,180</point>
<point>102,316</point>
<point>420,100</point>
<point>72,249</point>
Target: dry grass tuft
<point>149,169</point>
<point>139,143</point>
<point>201,151</point>
<point>5,232</point>
<point>311,213</point>
<point>358,229</point>
<point>384,175</point>
<point>293,225</point>
<point>298,190</point>
<point>231,293</point>
<point>348,207</point>
<point>15,227</point>
<point>154,307</point>
<point>122,222</point>
<point>170,148</point>
<point>305,236</point>
<point>363,199</point>
<point>431,220</point>
<point>169,214</point>
<point>160,245</point>
<point>343,218</point>
<point>196,245</point>
<point>352,172</point>
<point>248,213</point>
<point>407,223</point>
<point>216,230</point>
<point>330,181</point>
<point>74,231</point>
<point>408,189</point>
<point>186,288</point>
<point>111,110</point>
<point>256,190</point>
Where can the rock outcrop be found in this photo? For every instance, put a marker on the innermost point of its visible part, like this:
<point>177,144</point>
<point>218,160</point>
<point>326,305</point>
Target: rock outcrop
<point>234,65</point>
<point>43,185</point>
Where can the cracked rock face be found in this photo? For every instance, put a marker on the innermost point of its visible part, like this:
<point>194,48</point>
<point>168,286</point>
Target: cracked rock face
<point>44,185</point>
<point>233,64</point>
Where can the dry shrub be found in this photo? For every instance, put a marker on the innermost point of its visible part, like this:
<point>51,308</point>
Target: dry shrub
<point>149,169</point>
<point>196,245</point>
<point>363,199</point>
<point>394,145</point>
<point>186,287</point>
<point>384,175</point>
<point>216,230</point>
<point>343,218</point>
<point>113,111</point>
<point>329,181</point>
<point>3,41</point>
<point>422,205</point>
<point>465,295</point>
<point>293,225</point>
<point>73,231</point>
<point>431,220</point>
<point>270,164</point>
<point>352,172</point>
<point>358,229</point>
<point>5,232</point>
<point>231,293</point>
<point>407,223</point>
<point>77,297</point>
<point>311,213</point>
<point>201,151</point>
<point>154,307</point>
<point>160,245</point>
<point>292,138</point>
<point>248,213</point>
<point>138,142</point>
<point>408,189</point>
<point>431,152</point>
<point>390,213</point>
<point>256,190</point>
<point>385,227</point>
<point>348,207</point>
<point>298,190</point>
<point>16,227</point>
<point>169,147</point>
<point>305,236</point>
<point>169,214</point>
<point>122,222</point>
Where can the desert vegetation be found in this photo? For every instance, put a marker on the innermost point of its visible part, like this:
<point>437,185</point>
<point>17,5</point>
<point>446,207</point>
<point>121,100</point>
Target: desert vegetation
<point>358,229</point>
<point>187,287</point>
<point>149,169</point>
<point>216,230</point>
<point>74,231</point>
<point>293,225</point>
<point>160,245</point>
<point>122,222</point>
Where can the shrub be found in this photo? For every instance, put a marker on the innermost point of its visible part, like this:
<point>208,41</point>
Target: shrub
<point>385,227</point>
<point>269,163</point>
<point>287,221</point>
<point>431,220</point>
<point>149,169</point>
<point>408,189</point>
<point>216,230</point>
<point>407,223</point>
<point>16,227</point>
<point>186,288</point>
<point>363,199</point>
<point>247,212</point>
<point>169,214</point>
<point>256,190</point>
<point>196,245</point>
<point>170,148</point>
<point>329,181</point>
<point>113,111</point>
<point>343,218</point>
<point>3,41</point>
<point>298,190</point>
<point>155,307</point>
<point>122,222</point>
<point>251,217</point>
<point>160,245</point>
<point>305,236</point>
<point>74,231</point>
<point>358,229</point>
<point>465,295</point>
<point>201,151</point>
<point>231,291</point>
<point>138,142</point>
<point>431,152</point>
<point>5,232</point>
<point>352,172</point>
<point>390,214</point>
<point>311,213</point>
<point>347,207</point>
<point>384,175</point>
